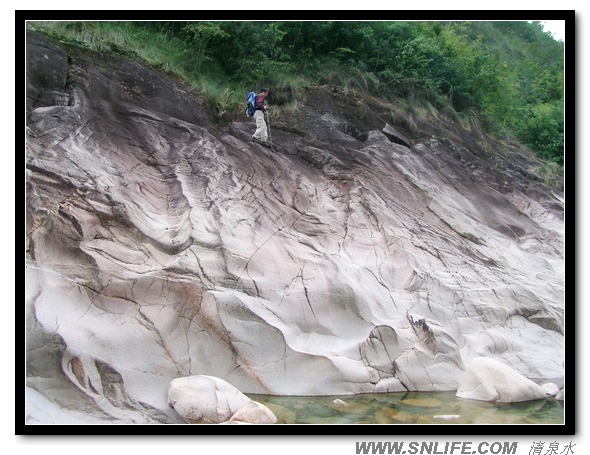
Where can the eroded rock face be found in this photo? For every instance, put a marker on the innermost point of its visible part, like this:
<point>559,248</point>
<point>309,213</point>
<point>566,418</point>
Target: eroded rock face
<point>161,245</point>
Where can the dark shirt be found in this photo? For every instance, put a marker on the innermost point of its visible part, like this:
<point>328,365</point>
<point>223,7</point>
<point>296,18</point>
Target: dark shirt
<point>260,106</point>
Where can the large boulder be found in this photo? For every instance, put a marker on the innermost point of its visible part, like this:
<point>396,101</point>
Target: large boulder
<point>207,399</point>
<point>488,379</point>
<point>254,412</point>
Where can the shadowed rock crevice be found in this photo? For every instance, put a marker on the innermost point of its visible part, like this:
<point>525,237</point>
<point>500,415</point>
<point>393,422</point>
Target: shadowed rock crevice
<point>359,255</point>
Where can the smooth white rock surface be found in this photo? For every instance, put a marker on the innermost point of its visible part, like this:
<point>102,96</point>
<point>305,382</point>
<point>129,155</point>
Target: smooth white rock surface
<point>489,379</point>
<point>206,399</point>
<point>255,413</point>
<point>550,389</point>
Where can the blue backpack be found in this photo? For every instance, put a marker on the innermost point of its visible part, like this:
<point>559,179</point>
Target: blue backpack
<point>251,104</point>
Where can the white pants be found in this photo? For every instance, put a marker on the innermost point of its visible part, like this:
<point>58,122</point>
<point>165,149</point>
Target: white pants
<point>261,127</point>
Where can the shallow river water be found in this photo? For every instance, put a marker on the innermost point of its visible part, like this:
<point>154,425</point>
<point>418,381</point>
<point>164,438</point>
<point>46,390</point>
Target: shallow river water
<point>409,408</point>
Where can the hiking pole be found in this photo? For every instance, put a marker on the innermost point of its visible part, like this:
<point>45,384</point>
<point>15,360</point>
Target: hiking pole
<point>268,128</point>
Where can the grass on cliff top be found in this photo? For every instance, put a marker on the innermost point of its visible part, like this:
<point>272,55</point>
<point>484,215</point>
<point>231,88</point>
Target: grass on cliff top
<point>170,54</point>
<point>227,98</point>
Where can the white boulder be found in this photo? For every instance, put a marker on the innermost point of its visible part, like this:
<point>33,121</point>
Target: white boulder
<point>561,395</point>
<point>207,399</point>
<point>550,389</point>
<point>488,379</point>
<point>339,403</point>
<point>254,412</point>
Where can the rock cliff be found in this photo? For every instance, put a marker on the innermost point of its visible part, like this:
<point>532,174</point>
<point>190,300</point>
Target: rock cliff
<point>365,253</point>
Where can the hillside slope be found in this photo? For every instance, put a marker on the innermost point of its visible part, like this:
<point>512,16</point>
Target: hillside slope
<point>342,261</point>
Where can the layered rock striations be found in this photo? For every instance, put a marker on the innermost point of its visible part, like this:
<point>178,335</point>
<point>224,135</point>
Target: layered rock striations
<point>162,245</point>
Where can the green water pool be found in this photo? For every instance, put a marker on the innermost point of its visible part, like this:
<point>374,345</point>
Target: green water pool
<point>409,408</point>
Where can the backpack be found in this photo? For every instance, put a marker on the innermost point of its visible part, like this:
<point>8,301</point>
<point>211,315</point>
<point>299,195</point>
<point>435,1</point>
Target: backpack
<point>251,104</point>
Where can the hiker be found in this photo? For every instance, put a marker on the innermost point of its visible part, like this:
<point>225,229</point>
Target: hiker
<point>261,133</point>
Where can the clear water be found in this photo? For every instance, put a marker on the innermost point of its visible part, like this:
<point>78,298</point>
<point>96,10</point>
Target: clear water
<point>409,408</point>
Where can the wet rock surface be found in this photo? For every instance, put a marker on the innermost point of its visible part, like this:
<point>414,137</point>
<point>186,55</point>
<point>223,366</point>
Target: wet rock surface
<point>162,245</point>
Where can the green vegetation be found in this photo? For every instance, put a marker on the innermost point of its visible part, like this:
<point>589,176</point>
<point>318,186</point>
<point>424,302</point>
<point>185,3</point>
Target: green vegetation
<point>506,76</point>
